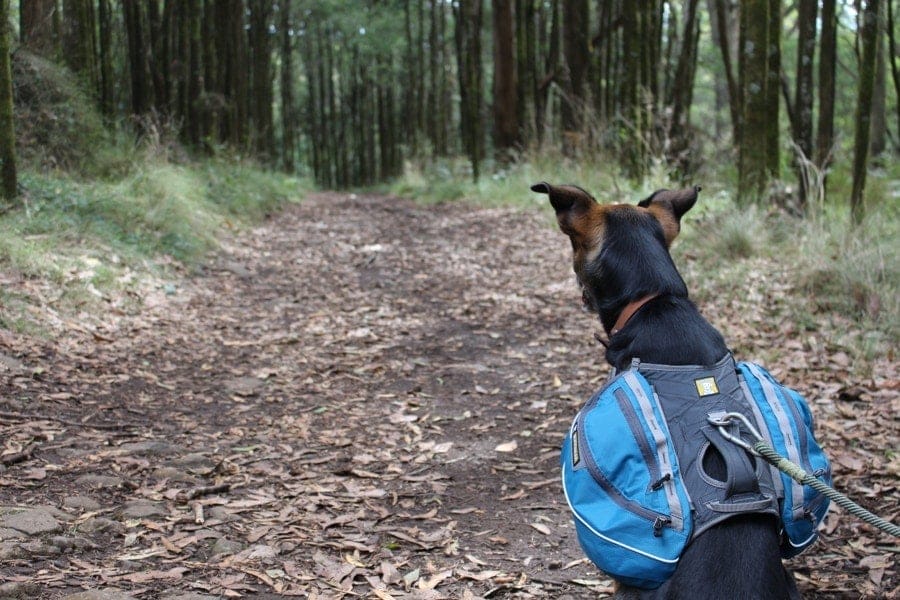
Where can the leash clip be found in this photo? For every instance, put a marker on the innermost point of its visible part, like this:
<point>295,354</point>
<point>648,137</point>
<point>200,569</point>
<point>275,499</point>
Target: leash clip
<point>721,421</point>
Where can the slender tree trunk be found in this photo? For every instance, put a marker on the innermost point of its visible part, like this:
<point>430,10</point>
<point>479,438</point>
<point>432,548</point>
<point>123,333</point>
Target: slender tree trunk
<point>576,25</point>
<point>804,91</point>
<point>137,62</point>
<point>895,70</point>
<point>468,15</point>
<point>7,129</point>
<point>288,122</point>
<point>682,89</point>
<point>79,41</point>
<point>550,67</point>
<point>107,76</point>
<point>36,30</point>
<point>827,66</point>
<point>868,33</point>
<point>753,163</point>
<point>506,125</point>
<point>773,38</point>
<point>878,130</point>
<point>261,79</point>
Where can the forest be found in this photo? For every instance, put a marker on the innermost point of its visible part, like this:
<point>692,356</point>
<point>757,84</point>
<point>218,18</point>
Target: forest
<point>280,315</point>
<point>352,91</point>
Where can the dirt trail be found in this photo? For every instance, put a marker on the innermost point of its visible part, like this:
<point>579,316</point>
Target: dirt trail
<point>360,398</point>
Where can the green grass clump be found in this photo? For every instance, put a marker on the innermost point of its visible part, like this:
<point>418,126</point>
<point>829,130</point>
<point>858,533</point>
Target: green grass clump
<point>86,241</point>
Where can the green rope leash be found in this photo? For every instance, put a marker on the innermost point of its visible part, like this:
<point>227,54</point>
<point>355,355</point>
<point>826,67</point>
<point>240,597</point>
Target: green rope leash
<point>763,449</point>
<point>801,476</point>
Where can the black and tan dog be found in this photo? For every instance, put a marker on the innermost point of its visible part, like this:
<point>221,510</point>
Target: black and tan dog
<point>628,278</point>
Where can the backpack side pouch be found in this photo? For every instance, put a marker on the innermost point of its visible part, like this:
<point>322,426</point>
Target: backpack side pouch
<point>636,528</point>
<point>789,429</point>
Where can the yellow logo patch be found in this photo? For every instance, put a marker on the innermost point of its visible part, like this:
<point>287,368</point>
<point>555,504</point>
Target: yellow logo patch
<point>706,386</point>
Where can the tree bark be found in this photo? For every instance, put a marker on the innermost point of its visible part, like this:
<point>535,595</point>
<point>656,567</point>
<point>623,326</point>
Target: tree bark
<point>895,72</point>
<point>827,66</point>
<point>756,109</point>
<point>878,129</point>
<point>261,80</point>
<point>469,15</point>
<point>804,91</point>
<point>7,127</point>
<point>36,30</point>
<point>506,125</point>
<point>575,28</point>
<point>288,122</point>
<point>868,33</point>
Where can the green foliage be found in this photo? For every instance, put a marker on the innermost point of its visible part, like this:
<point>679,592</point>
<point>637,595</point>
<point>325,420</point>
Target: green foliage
<point>87,239</point>
<point>57,123</point>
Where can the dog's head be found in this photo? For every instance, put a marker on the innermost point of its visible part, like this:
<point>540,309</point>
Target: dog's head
<point>621,251</point>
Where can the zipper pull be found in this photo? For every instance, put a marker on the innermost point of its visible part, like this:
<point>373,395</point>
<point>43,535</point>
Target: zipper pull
<point>660,482</point>
<point>658,524</point>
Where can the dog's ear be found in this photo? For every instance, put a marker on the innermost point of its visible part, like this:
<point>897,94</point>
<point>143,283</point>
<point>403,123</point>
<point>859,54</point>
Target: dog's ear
<point>668,206</point>
<point>570,202</point>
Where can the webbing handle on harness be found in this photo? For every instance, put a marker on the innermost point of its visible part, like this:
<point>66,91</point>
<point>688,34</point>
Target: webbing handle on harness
<point>762,449</point>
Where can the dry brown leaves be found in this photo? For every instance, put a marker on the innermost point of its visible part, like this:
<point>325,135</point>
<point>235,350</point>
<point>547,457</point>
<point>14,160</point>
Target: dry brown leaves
<point>363,398</point>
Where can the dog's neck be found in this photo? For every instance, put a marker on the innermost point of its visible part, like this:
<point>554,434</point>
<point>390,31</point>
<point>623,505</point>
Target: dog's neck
<point>628,312</point>
<point>669,331</point>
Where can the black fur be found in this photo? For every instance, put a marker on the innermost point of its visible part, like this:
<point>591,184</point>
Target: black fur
<point>738,559</point>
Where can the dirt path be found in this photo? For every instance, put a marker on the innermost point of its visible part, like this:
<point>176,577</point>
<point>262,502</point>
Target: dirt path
<point>360,398</point>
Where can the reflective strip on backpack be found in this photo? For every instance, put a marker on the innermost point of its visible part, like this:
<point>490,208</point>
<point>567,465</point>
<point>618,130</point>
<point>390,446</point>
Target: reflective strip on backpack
<point>585,523</point>
<point>784,424</point>
<point>660,438</point>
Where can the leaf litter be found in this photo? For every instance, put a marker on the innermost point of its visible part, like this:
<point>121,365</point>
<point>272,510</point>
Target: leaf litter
<point>363,397</point>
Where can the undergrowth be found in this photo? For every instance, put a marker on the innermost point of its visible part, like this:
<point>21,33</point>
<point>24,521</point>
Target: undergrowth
<point>824,274</point>
<point>89,240</point>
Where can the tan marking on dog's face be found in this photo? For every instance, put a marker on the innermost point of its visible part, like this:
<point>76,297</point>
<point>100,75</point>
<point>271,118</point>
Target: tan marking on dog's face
<point>586,233</point>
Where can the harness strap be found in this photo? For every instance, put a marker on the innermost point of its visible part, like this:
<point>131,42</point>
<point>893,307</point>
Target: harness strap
<point>741,473</point>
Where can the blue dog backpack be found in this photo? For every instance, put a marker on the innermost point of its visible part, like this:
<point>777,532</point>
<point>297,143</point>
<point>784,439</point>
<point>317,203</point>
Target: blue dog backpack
<point>633,465</point>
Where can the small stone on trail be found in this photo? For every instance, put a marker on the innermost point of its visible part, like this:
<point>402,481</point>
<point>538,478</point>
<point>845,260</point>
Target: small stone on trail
<point>15,590</point>
<point>147,448</point>
<point>101,524</point>
<point>107,594</point>
<point>225,546</point>
<point>31,521</point>
<point>99,481</point>
<point>81,503</point>
<point>141,509</point>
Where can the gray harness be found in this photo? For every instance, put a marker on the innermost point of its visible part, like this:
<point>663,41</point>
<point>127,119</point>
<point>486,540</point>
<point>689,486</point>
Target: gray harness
<point>749,486</point>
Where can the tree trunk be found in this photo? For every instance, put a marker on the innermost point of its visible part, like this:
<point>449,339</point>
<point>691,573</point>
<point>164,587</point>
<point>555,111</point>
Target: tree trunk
<point>7,129</point>
<point>79,40</point>
<point>682,89</point>
<point>261,77</point>
<point>753,162</point>
<point>725,20</point>
<point>803,97</point>
<point>773,38</point>
<point>468,15</point>
<point>827,66</point>
<point>141,99</point>
<point>107,76</point>
<point>878,129</point>
<point>288,123</point>
<point>506,125</point>
<point>893,53</point>
<point>868,32</point>
<point>36,27</point>
<point>576,25</point>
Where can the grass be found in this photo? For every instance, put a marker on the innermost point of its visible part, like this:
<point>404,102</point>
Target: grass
<point>80,242</point>
<point>833,277</point>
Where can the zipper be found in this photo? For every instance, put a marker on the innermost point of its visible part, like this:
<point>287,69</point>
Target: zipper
<point>656,519</point>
